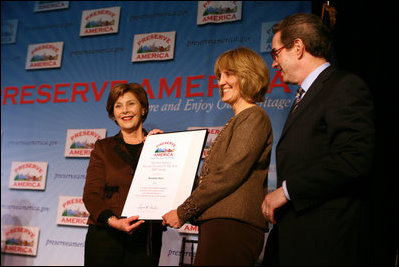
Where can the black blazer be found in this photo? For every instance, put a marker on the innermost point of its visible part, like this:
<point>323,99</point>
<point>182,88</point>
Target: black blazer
<point>325,155</point>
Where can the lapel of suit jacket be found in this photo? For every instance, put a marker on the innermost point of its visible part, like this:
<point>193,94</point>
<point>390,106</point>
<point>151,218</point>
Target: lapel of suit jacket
<point>313,90</point>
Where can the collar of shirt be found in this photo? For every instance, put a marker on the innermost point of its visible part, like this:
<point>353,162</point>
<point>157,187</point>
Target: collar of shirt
<point>312,77</point>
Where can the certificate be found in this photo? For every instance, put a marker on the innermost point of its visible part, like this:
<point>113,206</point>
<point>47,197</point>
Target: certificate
<point>165,173</point>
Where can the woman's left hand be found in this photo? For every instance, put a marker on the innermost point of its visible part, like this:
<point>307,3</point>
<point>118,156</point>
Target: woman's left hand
<point>172,219</point>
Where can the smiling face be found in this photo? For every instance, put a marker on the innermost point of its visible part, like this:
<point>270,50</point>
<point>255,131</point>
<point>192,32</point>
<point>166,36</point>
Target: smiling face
<point>285,61</point>
<point>229,87</point>
<point>128,112</point>
<point>243,78</point>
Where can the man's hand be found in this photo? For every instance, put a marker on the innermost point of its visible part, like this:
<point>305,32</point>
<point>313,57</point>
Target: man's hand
<point>273,201</point>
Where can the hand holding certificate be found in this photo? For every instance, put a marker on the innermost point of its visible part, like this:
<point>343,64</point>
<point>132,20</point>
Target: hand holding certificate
<point>165,173</point>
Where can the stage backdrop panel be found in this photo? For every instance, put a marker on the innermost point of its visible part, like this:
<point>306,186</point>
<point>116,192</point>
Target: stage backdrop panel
<point>59,61</point>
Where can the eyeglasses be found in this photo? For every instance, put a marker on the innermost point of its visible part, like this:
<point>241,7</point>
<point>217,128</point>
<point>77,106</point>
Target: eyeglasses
<point>274,53</point>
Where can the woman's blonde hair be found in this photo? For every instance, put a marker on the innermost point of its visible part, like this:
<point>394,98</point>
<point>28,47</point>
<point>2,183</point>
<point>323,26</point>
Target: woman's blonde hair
<point>250,69</point>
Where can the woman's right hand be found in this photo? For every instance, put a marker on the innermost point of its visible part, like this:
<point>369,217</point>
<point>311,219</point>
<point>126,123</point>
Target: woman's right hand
<point>127,225</point>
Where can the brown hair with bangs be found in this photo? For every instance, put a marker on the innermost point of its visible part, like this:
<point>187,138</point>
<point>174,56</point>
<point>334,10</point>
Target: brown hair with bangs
<point>122,89</point>
<point>250,69</point>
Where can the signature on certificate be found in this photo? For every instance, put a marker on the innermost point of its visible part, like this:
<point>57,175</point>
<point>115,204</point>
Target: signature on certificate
<point>142,206</point>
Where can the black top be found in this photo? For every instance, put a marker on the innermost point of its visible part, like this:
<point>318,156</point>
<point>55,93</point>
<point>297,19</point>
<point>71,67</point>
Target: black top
<point>134,149</point>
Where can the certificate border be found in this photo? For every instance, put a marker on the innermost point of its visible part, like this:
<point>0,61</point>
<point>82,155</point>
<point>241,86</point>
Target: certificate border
<point>196,172</point>
<point>203,143</point>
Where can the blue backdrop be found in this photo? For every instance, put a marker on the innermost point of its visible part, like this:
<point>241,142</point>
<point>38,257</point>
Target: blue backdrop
<point>182,94</point>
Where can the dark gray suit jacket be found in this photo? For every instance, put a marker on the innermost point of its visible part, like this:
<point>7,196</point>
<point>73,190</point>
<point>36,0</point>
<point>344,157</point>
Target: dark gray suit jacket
<point>325,154</point>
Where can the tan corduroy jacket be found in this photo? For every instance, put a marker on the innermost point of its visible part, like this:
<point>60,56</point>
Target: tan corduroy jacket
<point>233,179</point>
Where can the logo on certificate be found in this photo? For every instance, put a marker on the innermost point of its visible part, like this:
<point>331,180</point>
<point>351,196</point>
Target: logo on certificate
<point>165,150</point>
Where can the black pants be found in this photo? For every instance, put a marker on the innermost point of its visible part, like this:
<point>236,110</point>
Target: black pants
<point>226,242</point>
<point>107,246</point>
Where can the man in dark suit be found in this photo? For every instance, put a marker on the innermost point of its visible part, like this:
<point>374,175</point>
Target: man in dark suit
<point>324,155</point>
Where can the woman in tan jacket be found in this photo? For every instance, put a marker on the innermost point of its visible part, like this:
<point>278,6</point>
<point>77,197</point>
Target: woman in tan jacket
<point>226,204</point>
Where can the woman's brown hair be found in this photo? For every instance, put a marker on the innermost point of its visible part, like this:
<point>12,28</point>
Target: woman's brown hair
<point>122,89</point>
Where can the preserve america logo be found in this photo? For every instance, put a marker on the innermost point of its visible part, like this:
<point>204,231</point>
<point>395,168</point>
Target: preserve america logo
<point>100,21</point>
<point>72,211</point>
<point>218,11</point>
<point>19,239</point>
<point>9,31</point>
<point>153,46</point>
<point>28,175</point>
<point>165,150</point>
<point>80,142</point>
<point>44,55</point>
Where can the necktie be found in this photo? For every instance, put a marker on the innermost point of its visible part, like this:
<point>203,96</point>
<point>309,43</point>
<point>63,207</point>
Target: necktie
<point>298,97</point>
